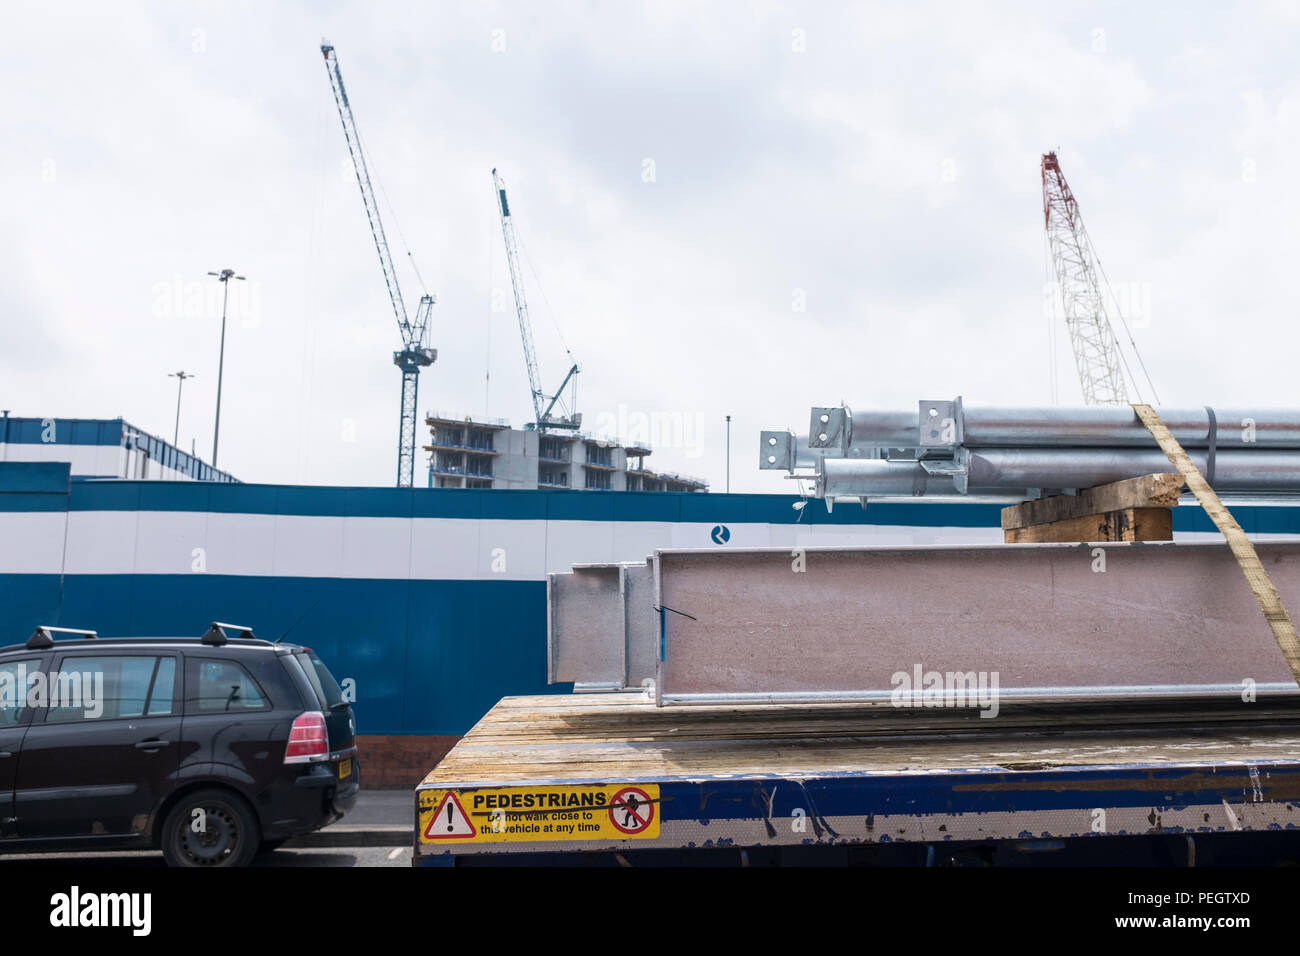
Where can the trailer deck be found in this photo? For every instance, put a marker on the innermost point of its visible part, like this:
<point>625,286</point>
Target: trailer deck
<point>614,774</point>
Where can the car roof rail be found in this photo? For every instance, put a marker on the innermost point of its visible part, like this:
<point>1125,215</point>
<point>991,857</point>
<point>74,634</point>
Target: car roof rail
<point>43,636</point>
<point>216,634</point>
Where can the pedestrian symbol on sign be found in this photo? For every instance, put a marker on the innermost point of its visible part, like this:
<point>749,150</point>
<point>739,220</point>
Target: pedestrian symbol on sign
<point>631,810</point>
<point>721,534</point>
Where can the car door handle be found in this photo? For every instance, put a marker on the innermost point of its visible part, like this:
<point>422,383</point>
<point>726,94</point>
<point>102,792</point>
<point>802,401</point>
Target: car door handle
<point>151,744</point>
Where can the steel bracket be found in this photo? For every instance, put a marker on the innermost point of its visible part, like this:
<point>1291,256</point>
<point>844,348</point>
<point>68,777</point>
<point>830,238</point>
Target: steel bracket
<point>957,467</point>
<point>941,424</point>
<point>776,451</point>
<point>830,428</point>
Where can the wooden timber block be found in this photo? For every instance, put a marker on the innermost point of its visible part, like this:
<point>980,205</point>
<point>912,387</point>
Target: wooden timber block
<point>1124,524</point>
<point>1145,491</point>
<point>1135,509</point>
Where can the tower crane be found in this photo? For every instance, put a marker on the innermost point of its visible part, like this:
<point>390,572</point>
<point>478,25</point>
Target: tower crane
<point>415,353</point>
<point>1097,356</point>
<point>543,418</point>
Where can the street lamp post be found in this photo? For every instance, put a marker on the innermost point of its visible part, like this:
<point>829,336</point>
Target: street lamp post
<point>180,384</point>
<point>224,277</point>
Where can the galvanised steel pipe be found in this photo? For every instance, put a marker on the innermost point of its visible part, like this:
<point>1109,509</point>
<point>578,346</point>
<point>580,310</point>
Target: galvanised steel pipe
<point>1119,426</point>
<point>1234,469</point>
<point>884,429</point>
<point>1015,471</point>
<point>803,455</point>
<point>1090,426</point>
<point>878,478</point>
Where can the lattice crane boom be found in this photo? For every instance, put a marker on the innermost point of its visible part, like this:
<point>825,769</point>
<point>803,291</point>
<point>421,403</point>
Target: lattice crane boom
<point>521,302</point>
<point>414,354</point>
<point>542,413</point>
<point>1097,355</point>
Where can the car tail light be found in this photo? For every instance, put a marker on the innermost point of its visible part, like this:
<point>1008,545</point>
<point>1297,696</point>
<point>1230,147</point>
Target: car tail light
<point>308,738</point>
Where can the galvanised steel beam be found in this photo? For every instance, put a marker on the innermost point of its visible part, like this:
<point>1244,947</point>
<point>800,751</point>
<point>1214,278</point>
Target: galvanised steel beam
<point>602,631</point>
<point>585,643</point>
<point>1019,620</point>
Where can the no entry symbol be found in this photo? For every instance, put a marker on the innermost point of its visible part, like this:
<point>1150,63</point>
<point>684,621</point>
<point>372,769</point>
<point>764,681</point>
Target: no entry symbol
<point>631,810</point>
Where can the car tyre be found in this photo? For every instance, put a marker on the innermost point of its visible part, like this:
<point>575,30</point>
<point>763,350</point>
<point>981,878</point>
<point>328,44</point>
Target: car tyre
<point>210,828</point>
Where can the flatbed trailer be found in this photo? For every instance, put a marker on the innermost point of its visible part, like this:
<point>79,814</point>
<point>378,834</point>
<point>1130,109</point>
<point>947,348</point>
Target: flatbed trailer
<point>613,779</point>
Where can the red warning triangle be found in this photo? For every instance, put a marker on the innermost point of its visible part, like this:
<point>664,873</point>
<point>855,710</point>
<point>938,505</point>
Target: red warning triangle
<point>450,822</point>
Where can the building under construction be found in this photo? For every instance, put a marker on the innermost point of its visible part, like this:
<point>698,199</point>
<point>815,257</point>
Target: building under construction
<point>550,453</point>
<point>488,453</point>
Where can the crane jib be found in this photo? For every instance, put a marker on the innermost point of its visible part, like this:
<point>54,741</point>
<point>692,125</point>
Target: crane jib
<point>542,415</point>
<point>413,355</point>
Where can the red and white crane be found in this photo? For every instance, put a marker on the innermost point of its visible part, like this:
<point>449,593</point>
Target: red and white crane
<point>1097,356</point>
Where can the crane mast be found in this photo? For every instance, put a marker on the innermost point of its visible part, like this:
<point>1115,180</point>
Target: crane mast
<point>1097,356</point>
<point>542,413</point>
<point>414,354</point>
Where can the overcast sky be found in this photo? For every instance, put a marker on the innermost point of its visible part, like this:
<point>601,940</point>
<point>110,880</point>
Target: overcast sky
<point>740,208</point>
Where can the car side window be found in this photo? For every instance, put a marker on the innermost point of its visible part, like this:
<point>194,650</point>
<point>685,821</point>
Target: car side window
<point>15,680</point>
<point>100,687</point>
<point>214,687</point>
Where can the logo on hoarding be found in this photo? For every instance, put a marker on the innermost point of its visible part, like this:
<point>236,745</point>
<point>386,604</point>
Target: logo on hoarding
<point>721,534</point>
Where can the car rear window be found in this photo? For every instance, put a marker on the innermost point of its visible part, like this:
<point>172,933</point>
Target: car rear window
<point>215,686</point>
<point>327,688</point>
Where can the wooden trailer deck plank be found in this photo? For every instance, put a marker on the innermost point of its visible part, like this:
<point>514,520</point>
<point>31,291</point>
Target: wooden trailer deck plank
<point>624,736</point>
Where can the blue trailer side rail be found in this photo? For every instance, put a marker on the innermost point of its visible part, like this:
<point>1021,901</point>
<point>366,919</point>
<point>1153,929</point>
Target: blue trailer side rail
<point>612,774</point>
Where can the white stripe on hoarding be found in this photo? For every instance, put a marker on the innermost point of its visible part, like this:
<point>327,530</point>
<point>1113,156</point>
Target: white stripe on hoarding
<point>91,461</point>
<point>31,542</point>
<point>455,549</point>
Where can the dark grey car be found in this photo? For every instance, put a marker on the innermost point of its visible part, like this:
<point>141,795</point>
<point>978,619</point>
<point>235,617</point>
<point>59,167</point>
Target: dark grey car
<point>210,749</point>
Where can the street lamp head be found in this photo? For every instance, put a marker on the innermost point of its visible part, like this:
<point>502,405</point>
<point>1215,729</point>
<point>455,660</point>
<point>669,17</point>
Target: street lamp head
<point>225,275</point>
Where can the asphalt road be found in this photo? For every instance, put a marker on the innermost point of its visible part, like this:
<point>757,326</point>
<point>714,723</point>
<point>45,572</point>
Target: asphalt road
<point>288,856</point>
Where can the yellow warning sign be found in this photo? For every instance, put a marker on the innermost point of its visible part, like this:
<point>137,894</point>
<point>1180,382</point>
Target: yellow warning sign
<point>611,811</point>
